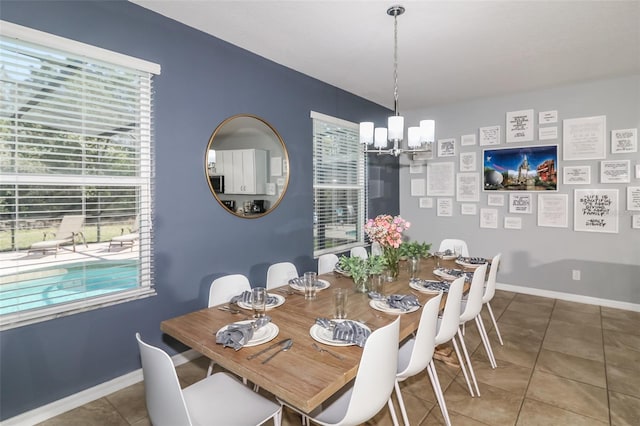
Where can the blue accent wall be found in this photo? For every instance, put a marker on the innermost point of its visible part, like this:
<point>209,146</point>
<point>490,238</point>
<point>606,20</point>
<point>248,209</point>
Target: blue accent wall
<point>203,81</point>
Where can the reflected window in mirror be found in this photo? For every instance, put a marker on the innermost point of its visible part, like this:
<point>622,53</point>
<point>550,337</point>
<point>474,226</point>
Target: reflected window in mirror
<point>247,166</point>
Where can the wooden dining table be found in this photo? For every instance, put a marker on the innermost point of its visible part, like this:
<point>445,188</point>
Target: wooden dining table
<point>302,376</point>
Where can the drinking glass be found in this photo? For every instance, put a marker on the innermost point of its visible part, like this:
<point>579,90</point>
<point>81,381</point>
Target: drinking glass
<point>376,283</point>
<point>259,301</point>
<point>310,288</point>
<point>340,303</point>
<point>458,250</point>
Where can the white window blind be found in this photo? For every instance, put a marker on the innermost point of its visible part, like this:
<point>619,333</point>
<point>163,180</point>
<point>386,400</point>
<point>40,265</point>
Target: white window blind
<point>339,185</point>
<point>75,140</point>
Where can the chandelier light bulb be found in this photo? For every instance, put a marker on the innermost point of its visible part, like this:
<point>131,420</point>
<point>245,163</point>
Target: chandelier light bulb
<point>366,132</point>
<point>380,137</point>
<point>396,128</point>
<point>427,131</point>
<point>413,137</point>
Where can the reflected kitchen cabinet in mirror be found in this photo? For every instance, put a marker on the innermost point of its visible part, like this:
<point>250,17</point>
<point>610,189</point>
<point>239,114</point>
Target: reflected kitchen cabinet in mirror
<point>247,166</point>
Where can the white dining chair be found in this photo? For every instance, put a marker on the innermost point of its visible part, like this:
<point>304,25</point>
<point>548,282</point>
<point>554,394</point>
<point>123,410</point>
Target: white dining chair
<point>327,263</point>
<point>279,274</point>
<point>451,244</point>
<point>416,353</point>
<point>470,310</point>
<point>364,397</point>
<point>218,399</point>
<point>376,249</point>
<point>222,290</point>
<point>359,252</point>
<point>490,291</point>
<point>446,331</point>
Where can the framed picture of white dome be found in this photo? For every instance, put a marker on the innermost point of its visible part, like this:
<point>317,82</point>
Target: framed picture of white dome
<point>525,168</point>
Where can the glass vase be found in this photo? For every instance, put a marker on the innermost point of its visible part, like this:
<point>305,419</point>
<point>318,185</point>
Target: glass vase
<point>392,258</point>
<point>360,284</point>
<point>413,265</point>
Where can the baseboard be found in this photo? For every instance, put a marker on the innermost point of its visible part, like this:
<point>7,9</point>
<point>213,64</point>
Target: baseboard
<point>63,405</point>
<point>627,306</point>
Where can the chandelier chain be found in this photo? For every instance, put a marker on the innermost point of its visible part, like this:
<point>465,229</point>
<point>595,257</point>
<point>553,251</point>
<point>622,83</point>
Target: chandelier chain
<point>395,64</point>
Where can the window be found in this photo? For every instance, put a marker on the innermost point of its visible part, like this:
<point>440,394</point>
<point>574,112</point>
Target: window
<point>75,161</point>
<point>339,185</point>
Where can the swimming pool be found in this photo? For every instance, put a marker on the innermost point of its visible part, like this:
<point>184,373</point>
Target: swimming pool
<point>66,283</point>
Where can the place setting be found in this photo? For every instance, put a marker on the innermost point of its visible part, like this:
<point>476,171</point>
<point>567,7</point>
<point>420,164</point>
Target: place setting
<point>394,303</point>
<point>309,283</point>
<point>247,333</point>
<point>339,331</point>
<point>446,254</point>
<point>246,299</point>
<point>471,262</point>
<point>429,286</point>
<point>451,274</point>
<point>251,332</point>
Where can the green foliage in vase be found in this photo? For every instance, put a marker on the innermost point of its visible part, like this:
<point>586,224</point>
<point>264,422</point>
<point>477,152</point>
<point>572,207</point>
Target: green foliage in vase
<point>359,268</point>
<point>375,265</point>
<point>414,249</point>
<point>355,266</point>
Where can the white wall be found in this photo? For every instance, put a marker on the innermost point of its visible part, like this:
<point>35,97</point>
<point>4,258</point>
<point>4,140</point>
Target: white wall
<point>541,257</point>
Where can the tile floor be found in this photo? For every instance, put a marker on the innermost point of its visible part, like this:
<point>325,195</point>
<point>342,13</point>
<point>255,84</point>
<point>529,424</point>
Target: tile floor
<point>562,363</point>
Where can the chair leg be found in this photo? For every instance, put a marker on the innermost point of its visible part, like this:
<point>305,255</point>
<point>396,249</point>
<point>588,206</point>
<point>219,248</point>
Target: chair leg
<point>210,369</point>
<point>461,361</point>
<point>495,324</point>
<point>437,389</point>
<point>466,356</point>
<point>403,409</point>
<point>485,341</point>
<point>394,417</point>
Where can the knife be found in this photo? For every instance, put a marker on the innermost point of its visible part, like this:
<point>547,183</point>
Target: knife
<point>268,348</point>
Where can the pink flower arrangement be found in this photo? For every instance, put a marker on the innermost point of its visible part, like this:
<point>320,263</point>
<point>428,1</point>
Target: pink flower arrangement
<point>386,230</point>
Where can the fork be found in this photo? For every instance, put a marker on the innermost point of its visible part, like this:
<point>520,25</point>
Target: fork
<point>319,349</point>
<point>229,309</point>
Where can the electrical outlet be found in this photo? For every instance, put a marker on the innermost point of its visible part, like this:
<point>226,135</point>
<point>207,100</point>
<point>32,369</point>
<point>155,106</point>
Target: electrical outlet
<point>575,274</point>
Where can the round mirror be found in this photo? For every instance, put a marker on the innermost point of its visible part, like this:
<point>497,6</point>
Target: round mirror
<point>247,166</point>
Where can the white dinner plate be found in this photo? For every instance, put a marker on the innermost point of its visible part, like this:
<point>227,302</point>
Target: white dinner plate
<point>261,335</point>
<point>444,275</point>
<point>324,336</point>
<point>446,256</point>
<point>414,285</point>
<point>341,272</point>
<point>279,302</point>
<point>468,265</point>
<point>382,306</point>
<point>320,285</point>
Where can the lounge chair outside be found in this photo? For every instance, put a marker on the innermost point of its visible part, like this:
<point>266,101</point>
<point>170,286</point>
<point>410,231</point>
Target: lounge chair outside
<point>69,230</point>
<point>129,238</point>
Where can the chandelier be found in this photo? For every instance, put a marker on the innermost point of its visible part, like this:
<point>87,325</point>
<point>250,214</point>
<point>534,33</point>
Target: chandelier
<point>419,139</point>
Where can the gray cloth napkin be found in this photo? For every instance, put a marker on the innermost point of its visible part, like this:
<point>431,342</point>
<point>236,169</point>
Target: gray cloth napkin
<point>432,285</point>
<point>245,297</point>
<point>473,260</point>
<point>345,331</point>
<point>299,281</point>
<point>457,273</point>
<point>404,302</point>
<point>238,335</point>
<point>447,252</point>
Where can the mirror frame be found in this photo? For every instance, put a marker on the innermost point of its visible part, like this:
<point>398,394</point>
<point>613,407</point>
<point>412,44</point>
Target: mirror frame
<point>285,155</point>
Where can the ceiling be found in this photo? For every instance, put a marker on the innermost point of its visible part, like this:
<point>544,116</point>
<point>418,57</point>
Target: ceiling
<point>448,51</point>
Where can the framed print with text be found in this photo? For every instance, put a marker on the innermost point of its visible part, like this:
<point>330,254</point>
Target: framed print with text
<point>595,210</point>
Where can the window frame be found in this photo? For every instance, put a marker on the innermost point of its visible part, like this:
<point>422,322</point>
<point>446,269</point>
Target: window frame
<point>141,183</point>
<point>361,185</point>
